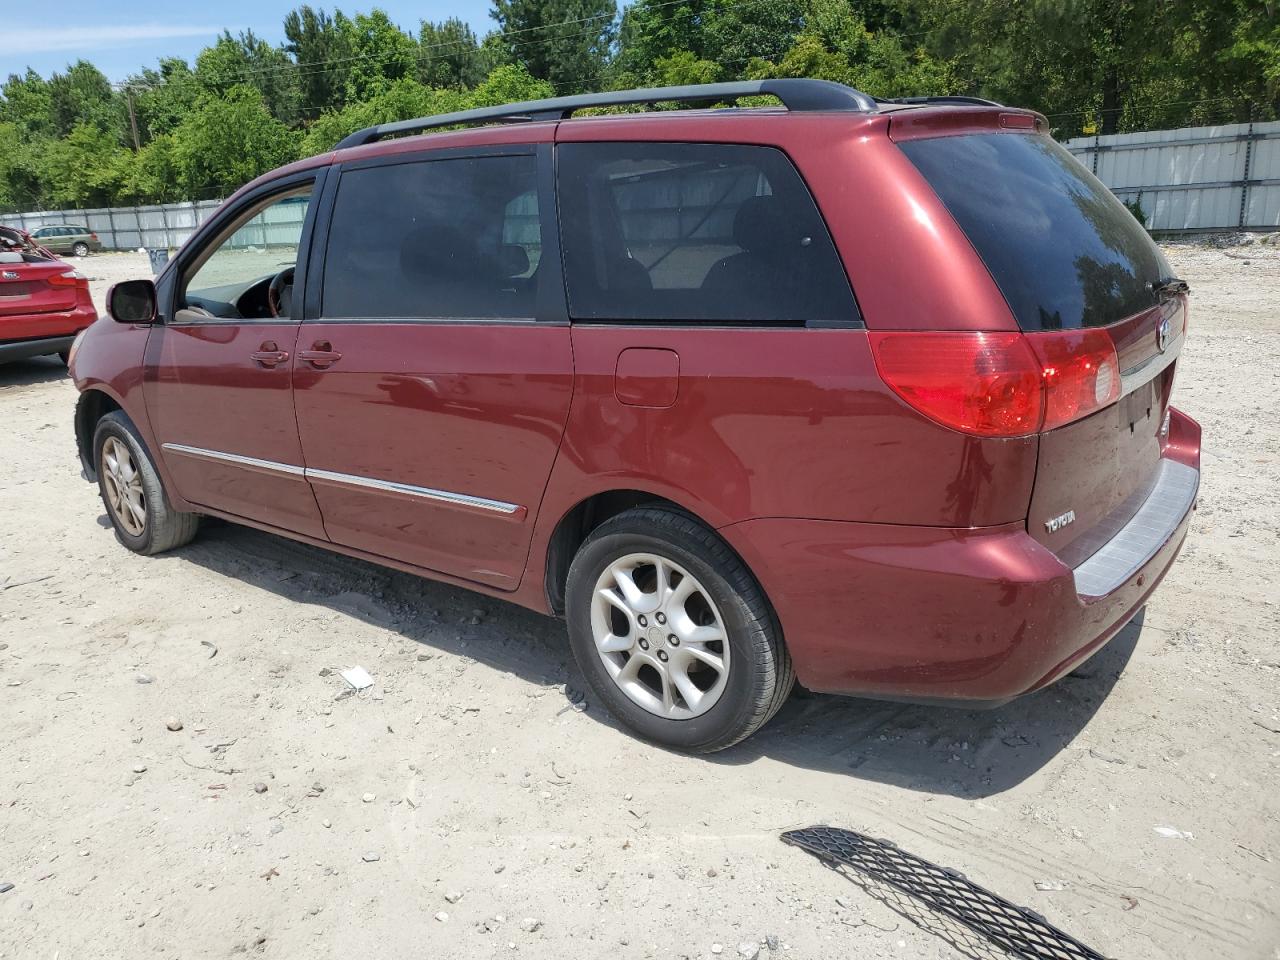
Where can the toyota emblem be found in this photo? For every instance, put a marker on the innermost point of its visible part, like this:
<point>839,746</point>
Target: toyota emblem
<point>1162,334</point>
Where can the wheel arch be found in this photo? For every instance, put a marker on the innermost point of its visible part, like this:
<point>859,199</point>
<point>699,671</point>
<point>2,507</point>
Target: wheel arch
<point>577,523</point>
<point>93,404</point>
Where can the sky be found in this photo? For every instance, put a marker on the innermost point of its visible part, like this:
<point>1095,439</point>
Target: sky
<point>122,36</point>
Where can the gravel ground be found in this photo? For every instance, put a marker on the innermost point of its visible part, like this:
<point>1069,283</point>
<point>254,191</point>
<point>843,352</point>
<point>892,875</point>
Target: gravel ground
<point>464,807</point>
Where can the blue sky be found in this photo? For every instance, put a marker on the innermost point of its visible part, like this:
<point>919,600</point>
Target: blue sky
<point>121,37</point>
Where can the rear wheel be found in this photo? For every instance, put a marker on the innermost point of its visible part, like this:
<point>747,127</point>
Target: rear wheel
<point>673,633</point>
<point>139,511</point>
<point>80,249</point>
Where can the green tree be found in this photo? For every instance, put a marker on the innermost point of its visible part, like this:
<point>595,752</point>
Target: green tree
<point>227,141</point>
<point>83,95</point>
<point>86,168</point>
<point>163,97</point>
<point>449,55</point>
<point>321,49</point>
<point>381,53</point>
<point>250,61</point>
<point>565,42</point>
<point>25,100</point>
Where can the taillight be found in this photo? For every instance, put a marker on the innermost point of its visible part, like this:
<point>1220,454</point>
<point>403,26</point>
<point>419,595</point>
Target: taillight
<point>93,236</point>
<point>997,384</point>
<point>1081,373</point>
<point>69,278</point>
<point>986,384</point>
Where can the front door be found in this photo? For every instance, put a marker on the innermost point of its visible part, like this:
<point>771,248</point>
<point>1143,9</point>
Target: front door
<point>433,383</point>
<point>218,370</point>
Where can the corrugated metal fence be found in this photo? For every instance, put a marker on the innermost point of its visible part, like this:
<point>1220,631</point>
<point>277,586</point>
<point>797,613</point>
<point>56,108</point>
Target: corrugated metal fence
<point>165,226</point>
<point>1194,179</point>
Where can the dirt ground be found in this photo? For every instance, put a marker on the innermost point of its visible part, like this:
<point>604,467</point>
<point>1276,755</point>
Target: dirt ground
<point>463,807</point>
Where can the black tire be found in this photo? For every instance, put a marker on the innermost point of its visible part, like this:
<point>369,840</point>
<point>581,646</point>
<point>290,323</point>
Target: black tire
<point>760,674</point>
<point>80,249</point>
<point>65,357</point>
<point>164,527</point>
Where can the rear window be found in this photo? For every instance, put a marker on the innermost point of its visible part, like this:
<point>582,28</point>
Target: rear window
<point>1064,251</point>
<point>695,233</point>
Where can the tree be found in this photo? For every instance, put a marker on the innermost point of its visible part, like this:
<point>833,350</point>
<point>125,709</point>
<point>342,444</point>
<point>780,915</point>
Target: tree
<point>227,141</point>
<point>449,55</point>
<point>26,102</point>
<point>162,98</point>
<point>83,95</point>
<point>84,169</point>
<point>321,49</point>
<point>250,61</point>
<point>565,42</point>
<point>381,54</point>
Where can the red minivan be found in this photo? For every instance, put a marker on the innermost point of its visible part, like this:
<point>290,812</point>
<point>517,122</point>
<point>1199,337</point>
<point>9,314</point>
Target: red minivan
<point>871,394</point>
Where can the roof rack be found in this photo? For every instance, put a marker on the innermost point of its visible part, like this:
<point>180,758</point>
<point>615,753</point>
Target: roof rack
<point>942,99</point>
<point>795,94</point>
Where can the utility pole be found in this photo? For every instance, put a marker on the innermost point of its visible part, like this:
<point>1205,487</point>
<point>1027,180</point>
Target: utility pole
<point>133,119</point>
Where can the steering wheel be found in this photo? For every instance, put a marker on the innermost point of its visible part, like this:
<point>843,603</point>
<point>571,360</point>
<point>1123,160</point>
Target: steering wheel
<point>281,285</point>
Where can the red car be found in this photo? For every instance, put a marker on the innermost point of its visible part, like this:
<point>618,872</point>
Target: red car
<point>44,302</point>
<point>870,394</point>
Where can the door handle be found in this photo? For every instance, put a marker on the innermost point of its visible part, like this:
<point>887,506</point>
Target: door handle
<point>321,354</point>
<point>270,355</point>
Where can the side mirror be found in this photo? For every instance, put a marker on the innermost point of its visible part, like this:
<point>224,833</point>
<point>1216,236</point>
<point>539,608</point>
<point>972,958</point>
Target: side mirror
<point>132,301</point>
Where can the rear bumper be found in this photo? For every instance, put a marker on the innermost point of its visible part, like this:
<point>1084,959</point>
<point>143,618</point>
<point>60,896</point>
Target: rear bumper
<point>25,349</point>
<point>39,334</point>
<point>978,616</point>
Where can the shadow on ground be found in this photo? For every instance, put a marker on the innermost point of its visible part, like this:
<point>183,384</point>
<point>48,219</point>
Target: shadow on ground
<point>24,373</point>
<point>964,753</point>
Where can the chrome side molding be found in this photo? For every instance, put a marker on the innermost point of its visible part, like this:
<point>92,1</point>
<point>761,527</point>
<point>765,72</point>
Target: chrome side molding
<point>249,463</point>
<point>348,480</point>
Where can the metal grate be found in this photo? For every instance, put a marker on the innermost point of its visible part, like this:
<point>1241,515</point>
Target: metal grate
<point>1018,930</point>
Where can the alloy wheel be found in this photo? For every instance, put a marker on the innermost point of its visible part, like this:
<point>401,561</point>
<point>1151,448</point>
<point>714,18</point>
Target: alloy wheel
<point>659,635</point>
<point>122,483</point>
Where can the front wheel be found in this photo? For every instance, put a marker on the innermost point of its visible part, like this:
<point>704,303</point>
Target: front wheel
<point>673,633</point>
<point>136,504</point>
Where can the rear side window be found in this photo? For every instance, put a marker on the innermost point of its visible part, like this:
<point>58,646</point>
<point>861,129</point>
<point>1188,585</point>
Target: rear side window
<point>436,239</point>
<point>703,233</point>
<point>1063,250</point>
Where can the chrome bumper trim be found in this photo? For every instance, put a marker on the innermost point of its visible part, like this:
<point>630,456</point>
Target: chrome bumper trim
<point>1142,537</point>
<point>347,479</point>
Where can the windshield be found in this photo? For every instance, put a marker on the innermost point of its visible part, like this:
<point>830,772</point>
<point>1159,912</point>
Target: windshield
<point>1063,250</point>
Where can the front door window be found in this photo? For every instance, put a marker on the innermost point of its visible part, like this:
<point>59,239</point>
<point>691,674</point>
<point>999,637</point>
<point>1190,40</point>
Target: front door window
<point>248,272</point>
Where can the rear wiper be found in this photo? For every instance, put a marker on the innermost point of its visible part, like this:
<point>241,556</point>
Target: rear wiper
<point>1169,288</point>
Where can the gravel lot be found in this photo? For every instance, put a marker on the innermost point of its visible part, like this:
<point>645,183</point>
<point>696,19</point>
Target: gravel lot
<point>463,807</point>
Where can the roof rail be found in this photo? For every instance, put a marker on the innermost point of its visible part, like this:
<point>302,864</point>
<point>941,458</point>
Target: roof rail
<point>958,100</point>
<point>795,94</point>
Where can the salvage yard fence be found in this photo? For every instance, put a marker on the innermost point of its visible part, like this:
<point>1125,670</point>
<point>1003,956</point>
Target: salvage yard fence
<point>158,227</point>
<point>1191,180</point>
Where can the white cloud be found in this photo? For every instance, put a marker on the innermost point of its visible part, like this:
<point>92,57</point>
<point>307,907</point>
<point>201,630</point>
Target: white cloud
<point>45,39</point>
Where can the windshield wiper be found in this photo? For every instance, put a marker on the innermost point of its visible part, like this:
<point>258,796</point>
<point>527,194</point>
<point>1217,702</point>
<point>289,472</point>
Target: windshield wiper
<point>1168,288</point>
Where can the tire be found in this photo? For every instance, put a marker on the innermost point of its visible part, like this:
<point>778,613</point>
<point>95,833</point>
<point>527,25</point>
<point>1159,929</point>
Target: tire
<point>151,526</point>
<point>65,357</point>
<point>80,249</point>
<point>649,547</point>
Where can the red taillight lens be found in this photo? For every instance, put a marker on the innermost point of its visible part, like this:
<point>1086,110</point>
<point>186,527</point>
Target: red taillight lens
<point>1000,384</point>
<point>93,236</point>
<point>69,278</point>
<point>1081,373</point>
<point>986,384</point>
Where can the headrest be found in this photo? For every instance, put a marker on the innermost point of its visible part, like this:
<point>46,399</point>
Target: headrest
<point>513,260</point>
